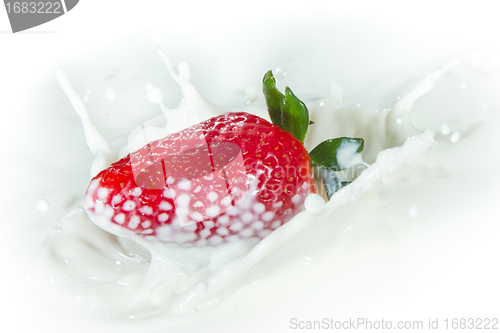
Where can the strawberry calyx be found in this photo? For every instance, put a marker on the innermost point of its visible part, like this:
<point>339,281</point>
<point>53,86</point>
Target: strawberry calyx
<point>291,114</point>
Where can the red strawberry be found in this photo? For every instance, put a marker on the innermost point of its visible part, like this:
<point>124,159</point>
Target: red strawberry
<point>232,176</point>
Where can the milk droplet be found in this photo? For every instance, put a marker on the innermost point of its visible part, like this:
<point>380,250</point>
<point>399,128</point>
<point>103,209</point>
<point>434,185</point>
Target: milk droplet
<point>157,39</point>
<point>279,75</point>
<point>43,205</point>
<point>463,85</point>
<point>414,212</point>
<point>399,121</point>
<point>445,130</point>
<point>314,203</point>
<point>155,95</point>
<point>203,286</point>
<point>455,137</point>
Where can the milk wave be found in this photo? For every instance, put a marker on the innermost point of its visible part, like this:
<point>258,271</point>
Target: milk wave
<point>125,276</point>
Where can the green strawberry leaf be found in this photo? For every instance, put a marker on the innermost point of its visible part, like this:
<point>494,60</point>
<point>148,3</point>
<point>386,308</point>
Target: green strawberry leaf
<point>326,154</point>
<point>326,161</point>
<point>286,111</point>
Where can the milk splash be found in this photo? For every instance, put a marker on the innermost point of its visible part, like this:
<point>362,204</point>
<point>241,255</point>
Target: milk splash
<point>128,277</point>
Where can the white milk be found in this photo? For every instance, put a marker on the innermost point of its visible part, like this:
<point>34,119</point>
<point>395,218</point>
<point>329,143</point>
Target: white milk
<point>128,278</point>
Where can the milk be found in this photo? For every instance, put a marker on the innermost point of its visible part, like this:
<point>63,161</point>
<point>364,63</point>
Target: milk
<point>129,277</point>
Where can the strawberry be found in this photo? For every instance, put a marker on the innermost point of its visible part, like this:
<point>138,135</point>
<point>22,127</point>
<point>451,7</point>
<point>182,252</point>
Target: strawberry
<point>232,176</point>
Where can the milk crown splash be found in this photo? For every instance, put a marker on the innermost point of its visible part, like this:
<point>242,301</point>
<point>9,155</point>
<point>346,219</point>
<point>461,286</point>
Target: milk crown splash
<point>169,289</point>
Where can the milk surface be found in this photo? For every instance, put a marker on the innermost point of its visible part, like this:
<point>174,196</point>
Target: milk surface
<point>126,277</point>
